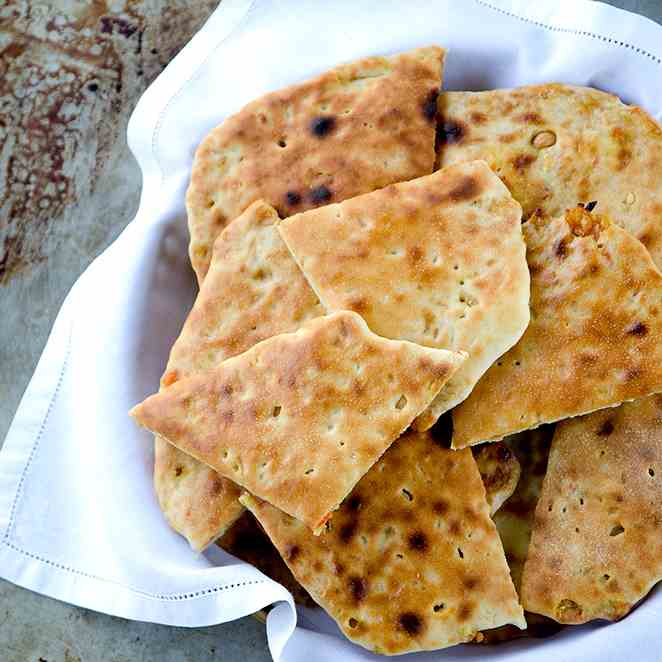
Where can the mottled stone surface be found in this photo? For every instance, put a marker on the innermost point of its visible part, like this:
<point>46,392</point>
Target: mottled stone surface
<point>71,71</point>
<point>34,628</point>
<point>70,74</point>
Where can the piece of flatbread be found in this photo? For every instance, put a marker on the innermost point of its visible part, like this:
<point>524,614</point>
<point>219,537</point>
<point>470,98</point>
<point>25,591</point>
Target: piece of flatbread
<point>412,560</point>
<point>439,261</point>
<point>254,290</point>
<point>247,540</point>
<point>514,521</point>
<point>197,502</point>
<point>353,129</point>
<point>300,417</point>
<point>537,627</point>
<point>555,146</point>
<point>596,547</point>
<point>499,470</point>
<point>595,337</point>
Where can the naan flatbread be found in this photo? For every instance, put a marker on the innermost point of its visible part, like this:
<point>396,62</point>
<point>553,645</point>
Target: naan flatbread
<point>499,470</point>
<point>254,290</point>
<point>439,261</point>
<point>555,146</point>
<point>596,548</point>
<point>351,130</point>
<point>412,560</point>
<point>595,337</point>
<point>300,417</point>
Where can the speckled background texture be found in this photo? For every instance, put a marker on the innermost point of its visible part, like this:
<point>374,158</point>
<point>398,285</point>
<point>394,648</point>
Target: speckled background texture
<point>71,72</point>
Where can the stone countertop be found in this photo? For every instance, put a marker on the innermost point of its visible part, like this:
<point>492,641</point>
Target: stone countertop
<point>71,72</point>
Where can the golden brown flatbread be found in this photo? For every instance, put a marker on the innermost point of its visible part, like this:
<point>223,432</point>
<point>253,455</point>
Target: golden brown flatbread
<point>596,547</point>
<point>246,539</point>
<point>439,261</point>
<point>254,290</point>
<point>499,470</point>
<point>300,417</point>
<point>412,560</point>
<point>353,129</point>
<point>555,146</point>
<point>595,335</point>
<point>197,502</point>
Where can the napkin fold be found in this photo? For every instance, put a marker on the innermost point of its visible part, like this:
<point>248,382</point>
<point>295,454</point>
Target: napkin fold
<point>78,517</point>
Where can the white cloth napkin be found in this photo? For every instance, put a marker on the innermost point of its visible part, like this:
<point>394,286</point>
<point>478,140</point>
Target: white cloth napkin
<point>78,517</point>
